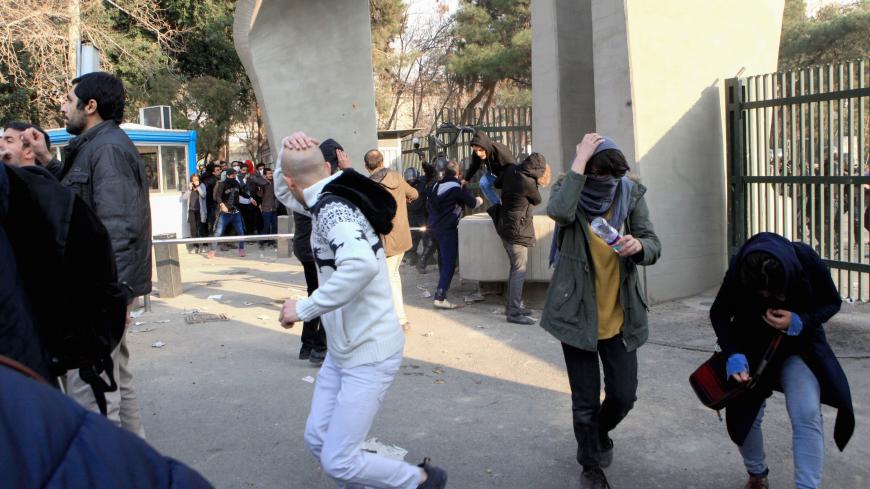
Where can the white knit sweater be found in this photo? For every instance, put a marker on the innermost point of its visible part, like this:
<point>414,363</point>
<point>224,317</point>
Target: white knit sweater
<point>354,299</point>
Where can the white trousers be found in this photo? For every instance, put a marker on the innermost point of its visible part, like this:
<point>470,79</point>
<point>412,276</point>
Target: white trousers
<point>343,408</point>
<point>393,263</point>
<point>122,407</point>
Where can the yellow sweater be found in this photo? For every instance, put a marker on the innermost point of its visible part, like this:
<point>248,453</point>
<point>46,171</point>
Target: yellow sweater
<point>606,263</point>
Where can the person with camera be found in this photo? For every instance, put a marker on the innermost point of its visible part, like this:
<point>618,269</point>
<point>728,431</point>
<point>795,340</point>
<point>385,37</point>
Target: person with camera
<point>780,290</point>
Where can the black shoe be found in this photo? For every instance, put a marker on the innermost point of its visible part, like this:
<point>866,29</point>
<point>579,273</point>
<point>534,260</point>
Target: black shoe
<point>317,357</point>
<point>437,477</point>
<point>606,453</point>
<point>305,353</point>
<point>521,320</point>
<point>594,479</point>
<point>520,312</point>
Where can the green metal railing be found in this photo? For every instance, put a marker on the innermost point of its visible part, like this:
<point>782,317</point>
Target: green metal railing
<point>798,164</point>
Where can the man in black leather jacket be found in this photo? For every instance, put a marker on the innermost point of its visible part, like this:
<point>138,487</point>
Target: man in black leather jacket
<point>103,167</point>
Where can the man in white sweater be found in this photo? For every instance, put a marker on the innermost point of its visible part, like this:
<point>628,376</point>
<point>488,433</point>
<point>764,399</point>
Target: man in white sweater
<point>354,302</point>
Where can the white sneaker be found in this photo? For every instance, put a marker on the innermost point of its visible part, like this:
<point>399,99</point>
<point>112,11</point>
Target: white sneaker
<point>444,304</point>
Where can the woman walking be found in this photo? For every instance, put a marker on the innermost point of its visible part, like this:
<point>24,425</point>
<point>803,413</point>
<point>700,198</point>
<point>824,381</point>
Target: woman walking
<point>594,303</point>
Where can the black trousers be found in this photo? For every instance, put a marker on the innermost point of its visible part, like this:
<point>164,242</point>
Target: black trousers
<point>313,334</point>
<point>197,227</point>
<point>593,420</point>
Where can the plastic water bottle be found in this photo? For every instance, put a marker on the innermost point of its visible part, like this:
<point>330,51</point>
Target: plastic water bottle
<point>605,231</point>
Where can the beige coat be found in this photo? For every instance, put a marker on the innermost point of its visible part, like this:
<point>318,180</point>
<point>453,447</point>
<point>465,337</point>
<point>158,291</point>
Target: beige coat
<point>399,239</point>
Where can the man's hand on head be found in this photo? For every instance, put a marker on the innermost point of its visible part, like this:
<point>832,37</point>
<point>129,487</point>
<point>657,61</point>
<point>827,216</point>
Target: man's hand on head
<point>299,141</point>
<point>343,160</point>
<point>36,141</point>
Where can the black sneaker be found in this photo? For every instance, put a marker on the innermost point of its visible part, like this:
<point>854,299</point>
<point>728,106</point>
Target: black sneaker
<point>521,312</point>
<point>521,320</point>
<point>594,479</point>
<point>606,453</point>
<point>317,357</point>
<point>437,477</point>
<point>305,352</point>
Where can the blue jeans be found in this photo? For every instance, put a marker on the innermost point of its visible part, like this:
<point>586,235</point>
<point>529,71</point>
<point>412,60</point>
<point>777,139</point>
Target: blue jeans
<point>448,253</point>
<point>802,400</point>
<point>234,219</point>
<point>487,182</point>
<point>270,222</point>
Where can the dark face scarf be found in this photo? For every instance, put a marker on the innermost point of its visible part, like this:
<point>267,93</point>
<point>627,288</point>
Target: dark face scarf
<point>598,194</point>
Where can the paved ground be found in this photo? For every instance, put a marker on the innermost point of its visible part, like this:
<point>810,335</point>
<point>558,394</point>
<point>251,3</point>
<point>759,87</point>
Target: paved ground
<point>486,399</point>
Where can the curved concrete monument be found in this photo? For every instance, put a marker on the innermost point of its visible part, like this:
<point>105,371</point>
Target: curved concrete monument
<point>647,73</point>
<point>311,67</point>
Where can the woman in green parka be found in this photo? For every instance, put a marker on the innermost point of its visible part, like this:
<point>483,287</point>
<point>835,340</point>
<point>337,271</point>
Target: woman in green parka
<point>594,304</point>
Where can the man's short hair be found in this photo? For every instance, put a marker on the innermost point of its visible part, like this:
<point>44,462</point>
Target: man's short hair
<point>23,126</point>
<point>261,165</point>
<point>452,169</point>
<point>104,88</point>
<point>373,159</point>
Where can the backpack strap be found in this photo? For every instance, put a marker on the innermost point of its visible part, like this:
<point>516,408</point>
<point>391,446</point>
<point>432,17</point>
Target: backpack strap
<point>98,385</point>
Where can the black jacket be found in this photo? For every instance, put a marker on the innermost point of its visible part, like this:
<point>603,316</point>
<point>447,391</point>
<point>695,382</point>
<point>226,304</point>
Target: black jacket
<point>210,182</point>
<point>498,156</point>
<point>19,334</point>
<point>227,193</point>
<point>519,196</point>
<point>737,319</point>
<point>71,250</point>
<point>104,168</point>
<point>302,237</point>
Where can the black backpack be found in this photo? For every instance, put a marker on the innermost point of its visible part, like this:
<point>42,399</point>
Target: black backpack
<point>65,260</point>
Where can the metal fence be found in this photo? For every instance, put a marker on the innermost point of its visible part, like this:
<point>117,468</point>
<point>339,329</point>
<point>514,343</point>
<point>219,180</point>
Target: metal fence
<point>511,126</point>
<point>798,163</point>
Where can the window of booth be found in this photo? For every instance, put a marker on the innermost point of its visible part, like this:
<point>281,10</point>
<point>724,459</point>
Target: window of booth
<point>150,159</point>
<point>173,167</point>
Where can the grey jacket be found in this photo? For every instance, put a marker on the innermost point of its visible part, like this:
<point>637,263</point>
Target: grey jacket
<point>104,168</point>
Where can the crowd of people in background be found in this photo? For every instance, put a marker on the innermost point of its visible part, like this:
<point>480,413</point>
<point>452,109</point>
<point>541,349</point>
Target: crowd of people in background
<point>352,233</point>
<point>238,198</point>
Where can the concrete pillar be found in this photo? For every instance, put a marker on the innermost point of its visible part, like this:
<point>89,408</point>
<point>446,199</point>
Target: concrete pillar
<point>311,67</point>
<point>563,88</point>
<point>168,267</point>
<point>657,89</point>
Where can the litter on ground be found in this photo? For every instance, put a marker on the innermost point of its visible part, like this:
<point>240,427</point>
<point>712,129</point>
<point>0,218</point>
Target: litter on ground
<point>204,317</point>
<point>389,451</point>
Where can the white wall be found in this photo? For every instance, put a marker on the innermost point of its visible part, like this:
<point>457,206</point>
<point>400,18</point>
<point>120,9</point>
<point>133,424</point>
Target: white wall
<point>650,75</point>
<point>680,53</point>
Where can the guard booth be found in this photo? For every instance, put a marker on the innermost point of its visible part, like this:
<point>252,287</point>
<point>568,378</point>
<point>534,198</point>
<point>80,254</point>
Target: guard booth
<point>169,156</point>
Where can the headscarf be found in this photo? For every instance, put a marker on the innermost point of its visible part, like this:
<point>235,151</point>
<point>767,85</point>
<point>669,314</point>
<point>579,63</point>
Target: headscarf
<point>600,195</point>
